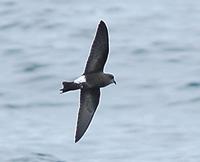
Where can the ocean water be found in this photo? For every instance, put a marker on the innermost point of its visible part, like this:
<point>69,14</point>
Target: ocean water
<point>152,114</point>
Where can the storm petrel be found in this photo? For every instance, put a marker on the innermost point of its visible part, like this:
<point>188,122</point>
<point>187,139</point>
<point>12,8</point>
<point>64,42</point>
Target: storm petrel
<point>91,80</point>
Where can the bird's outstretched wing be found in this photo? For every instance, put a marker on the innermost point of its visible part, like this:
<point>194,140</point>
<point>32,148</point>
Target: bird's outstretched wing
<point>99,50</point>
<point>89,101</point>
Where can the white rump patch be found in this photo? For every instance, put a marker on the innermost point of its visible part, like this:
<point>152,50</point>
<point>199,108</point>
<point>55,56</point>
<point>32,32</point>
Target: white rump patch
<point>81,79</point>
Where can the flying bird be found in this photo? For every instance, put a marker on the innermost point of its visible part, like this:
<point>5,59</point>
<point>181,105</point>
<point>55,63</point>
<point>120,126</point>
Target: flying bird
<point>91,80</point>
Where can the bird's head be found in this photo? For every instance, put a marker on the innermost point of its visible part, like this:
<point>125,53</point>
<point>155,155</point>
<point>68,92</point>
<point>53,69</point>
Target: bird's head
<point>111,78</point>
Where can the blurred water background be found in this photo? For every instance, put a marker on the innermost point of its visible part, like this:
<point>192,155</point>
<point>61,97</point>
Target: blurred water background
<point>152,114</point>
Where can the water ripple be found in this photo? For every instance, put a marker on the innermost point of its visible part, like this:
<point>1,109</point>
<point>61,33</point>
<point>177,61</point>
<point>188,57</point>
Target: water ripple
<point>13,51</point>
<point>139,51</point>
<point>8,3</point>
<point>37,157</point>
<point>32,67</point>
<point>193,85</point>
<point>34,105</point>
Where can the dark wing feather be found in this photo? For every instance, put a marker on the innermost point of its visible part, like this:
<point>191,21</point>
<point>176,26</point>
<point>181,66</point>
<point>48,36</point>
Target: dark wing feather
<point>99,50</point>
<point>89,101</point>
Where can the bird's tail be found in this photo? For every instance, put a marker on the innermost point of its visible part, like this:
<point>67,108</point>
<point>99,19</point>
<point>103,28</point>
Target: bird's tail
<point>69,86</point>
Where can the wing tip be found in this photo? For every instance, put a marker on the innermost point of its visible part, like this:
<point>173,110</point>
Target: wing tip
<point>77,137</point>
<point>102,22</point>
<point>76,140</point>
<point>79,134</point>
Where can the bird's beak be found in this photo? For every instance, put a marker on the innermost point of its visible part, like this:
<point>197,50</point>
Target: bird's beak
<point>114,82</point>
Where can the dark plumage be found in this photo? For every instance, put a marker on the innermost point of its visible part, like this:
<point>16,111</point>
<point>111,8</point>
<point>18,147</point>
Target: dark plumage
<point>99,50</point>
<point>92,80</point>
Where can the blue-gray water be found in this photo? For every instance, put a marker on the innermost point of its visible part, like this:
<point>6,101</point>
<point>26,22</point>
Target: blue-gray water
<point>152,114</point>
